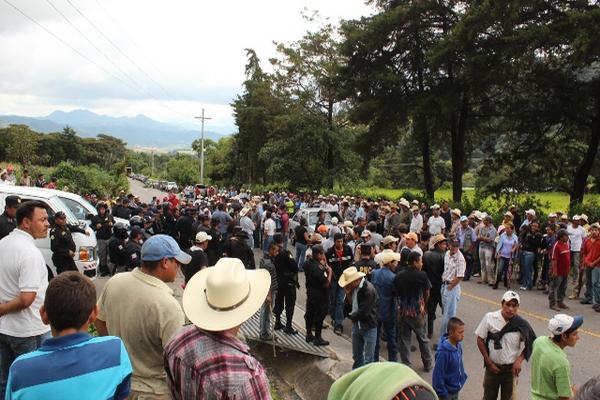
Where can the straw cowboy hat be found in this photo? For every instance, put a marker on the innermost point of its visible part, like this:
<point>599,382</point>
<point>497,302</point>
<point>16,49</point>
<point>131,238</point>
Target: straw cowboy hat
<point>349,275</point>
<point>224,296</point>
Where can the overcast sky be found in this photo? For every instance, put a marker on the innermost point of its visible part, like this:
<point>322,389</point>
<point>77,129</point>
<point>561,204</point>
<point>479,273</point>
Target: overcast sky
<point>190,53</point>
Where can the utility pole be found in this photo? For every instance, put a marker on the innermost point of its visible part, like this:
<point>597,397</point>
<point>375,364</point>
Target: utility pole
<point>152,153</point>
<point>202,118</point>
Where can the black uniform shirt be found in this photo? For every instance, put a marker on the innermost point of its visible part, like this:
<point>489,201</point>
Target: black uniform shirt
<point>7,224</point>
<point>316,279</point>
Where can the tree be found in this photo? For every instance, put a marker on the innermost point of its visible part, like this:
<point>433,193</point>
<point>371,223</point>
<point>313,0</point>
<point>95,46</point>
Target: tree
<point>22,143</point>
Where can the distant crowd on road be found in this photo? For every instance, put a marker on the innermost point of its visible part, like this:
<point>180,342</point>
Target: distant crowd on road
<point>384,265</point>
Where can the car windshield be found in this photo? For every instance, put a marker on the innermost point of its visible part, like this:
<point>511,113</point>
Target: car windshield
<point>58,204</point>
<point>313,218</point>
<point>79,208</point>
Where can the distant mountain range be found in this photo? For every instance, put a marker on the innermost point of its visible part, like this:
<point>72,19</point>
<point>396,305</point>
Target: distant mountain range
<point>138,131</point>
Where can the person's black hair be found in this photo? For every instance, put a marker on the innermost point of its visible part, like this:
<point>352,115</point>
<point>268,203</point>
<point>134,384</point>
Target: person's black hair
<point>372,226</point>
<point>413,257</point>
<point>404,254</point>
<point>454,323</point>
<point>273,244</point>
<point>358,230</point>
<point>561,233</point>
<point>214,221</point>
<point>27,208</point>
<point>267,214</point>
<point>70,299</point>
<point>221,207</point>
<point>402,229</point>
<point>338,236</point>
<point>303,221</point>
<point>589,390</point>
<point>318,249</point>
<point>278,238</point>
<point>425,236</point>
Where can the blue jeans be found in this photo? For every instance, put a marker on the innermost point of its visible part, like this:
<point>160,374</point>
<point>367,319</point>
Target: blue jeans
<point>300,255</point>
<point>336,303</point>
<point>11,347</point>
<point>267,240</point>
<point>596,285</point>
<point>389,327</point>
<point>363,345</point>
<point>528,258</point>
<point>450,300</point>
<point>265,321</point>
<point>502,271</point>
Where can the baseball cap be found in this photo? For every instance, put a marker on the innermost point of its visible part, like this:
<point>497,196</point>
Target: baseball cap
<point>163,246</point>
<point>412,235</point>
<point>463,218</point>
<point>562,323</point>
<point>389,239</point>
<point>202,237</point>
<point>511,295</point>
<point>435,207</point>
<point>530,211</point>
<point>12,201</point>
<point>365,233</point>
<point>60,215</point>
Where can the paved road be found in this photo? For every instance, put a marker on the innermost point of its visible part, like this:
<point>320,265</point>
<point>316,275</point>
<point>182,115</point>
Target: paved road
<point>146,194</point>
<point>476,300</point>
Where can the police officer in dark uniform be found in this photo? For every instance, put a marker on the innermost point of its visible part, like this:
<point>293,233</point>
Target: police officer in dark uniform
<point>62,244</point>
<point>102,224</point>
<point>287,280</point>
<point>318,279</point>
<point>237,247</point>
<point>116,248</point>
<point>121,209</point>
<point>8,219</point>
<point>133,247</point>
<point>185,228</point>
<point>215,245</point>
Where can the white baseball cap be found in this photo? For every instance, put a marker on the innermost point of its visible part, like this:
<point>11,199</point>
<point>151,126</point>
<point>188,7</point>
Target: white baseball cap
<point>511,295</point>
<point>202,237</point>
<point>561,323</point>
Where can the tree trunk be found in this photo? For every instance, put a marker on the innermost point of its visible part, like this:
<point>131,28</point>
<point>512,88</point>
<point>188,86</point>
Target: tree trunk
<point>458,128</point>
<point>422,134</point>
<point>584,168</point>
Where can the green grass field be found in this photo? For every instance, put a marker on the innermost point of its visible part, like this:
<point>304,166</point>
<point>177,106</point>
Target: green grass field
<point>557,200</point>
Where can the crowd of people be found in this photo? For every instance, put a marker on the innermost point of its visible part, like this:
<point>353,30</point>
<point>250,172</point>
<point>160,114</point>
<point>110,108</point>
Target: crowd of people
<point>386,266</point>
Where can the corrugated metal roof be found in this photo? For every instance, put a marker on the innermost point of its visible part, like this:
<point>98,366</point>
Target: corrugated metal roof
<point>251,329</point>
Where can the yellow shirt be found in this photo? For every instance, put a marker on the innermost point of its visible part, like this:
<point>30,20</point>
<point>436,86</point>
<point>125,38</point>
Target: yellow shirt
<point>142,311</point>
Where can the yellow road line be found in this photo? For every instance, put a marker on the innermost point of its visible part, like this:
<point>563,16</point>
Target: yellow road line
<point>523,312</point>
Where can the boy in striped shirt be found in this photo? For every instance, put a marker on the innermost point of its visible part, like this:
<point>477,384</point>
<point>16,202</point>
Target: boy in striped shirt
<point>72,364</point>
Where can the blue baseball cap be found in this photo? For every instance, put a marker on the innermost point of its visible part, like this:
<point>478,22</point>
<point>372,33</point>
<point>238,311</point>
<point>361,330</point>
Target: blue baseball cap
<point>163,246</point>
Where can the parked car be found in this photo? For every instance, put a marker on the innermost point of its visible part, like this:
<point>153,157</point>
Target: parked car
<point>311,216</point>
<point>171,186</point>
<point>86,246</point>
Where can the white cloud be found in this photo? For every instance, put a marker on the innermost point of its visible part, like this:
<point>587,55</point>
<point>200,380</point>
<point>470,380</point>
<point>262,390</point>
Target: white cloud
<point>194,49</point>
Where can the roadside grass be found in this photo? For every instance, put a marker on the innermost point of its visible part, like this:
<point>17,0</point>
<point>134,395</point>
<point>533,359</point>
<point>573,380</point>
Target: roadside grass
<point>558,201</point>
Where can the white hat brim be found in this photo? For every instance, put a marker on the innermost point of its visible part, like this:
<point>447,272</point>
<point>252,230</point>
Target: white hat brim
<point>343,282</point>
<point>205,317</point>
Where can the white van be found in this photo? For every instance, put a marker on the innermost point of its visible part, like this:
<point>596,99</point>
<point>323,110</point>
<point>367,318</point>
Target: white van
<point>80,207</point>
<point>86,257</point>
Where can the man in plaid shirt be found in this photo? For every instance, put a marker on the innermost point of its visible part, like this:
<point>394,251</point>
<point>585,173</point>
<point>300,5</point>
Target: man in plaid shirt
<point>206,360</point>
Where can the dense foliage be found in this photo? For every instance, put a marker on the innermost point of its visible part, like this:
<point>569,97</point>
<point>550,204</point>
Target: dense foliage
<point>505,96</point>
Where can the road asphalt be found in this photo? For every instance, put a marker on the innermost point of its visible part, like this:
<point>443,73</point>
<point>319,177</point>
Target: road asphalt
<point>476,300</point>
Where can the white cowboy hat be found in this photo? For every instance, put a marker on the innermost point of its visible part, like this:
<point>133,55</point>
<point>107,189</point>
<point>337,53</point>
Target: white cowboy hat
<point>405,203</point>
<point>349,275</point>
<point>387,257</point>
<point>224,296</point>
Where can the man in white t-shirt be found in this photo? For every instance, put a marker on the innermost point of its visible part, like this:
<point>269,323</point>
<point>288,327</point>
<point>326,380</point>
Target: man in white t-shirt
<point>23,283</point>
<point>436,224</point>
<point>269,228</point>
<point>576,235</point>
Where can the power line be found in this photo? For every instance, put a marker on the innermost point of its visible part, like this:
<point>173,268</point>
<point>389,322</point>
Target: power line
<point>94,46</point>
<point>120,51</point>
<point>116,23</point>
<point>69,46</point>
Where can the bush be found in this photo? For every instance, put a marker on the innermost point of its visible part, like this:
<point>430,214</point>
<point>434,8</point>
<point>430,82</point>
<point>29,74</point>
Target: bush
<point>88,179</point>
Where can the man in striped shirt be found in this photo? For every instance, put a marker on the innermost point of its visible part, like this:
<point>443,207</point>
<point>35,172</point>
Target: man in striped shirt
<point>72,364</point>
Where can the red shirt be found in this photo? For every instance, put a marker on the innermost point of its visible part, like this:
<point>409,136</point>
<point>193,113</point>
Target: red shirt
<point>591,251</point>
<point>562,254</point>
